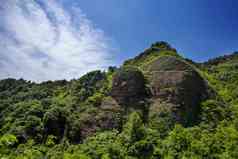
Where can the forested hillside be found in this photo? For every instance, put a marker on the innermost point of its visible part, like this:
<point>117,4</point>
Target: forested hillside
<point>158,105</point>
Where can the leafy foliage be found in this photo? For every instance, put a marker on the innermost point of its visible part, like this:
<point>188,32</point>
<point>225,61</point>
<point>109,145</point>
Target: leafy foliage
<point>81,118</point>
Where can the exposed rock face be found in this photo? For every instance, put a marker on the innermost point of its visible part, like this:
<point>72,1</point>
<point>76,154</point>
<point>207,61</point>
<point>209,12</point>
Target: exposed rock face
<point>128,89</point>
<point>128,86</point>
<point>171,80</point>
<point>110,104</point>
<point>104,120</point>
<point>174,81</point>
<point>107,117</point>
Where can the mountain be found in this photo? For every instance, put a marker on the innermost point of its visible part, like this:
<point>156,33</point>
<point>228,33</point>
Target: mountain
<point>156,105</point>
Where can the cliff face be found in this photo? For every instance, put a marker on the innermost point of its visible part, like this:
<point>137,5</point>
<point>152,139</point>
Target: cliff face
<point>174,81</point>
<point>169,79</point>
<point>128,86</point>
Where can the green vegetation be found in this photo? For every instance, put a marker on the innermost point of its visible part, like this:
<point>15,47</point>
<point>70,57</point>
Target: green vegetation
<point>156,51</point>
<point>126,114</point>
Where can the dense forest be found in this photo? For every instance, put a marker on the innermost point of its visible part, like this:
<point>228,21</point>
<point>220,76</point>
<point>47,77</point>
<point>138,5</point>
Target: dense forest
<point>158,105</point>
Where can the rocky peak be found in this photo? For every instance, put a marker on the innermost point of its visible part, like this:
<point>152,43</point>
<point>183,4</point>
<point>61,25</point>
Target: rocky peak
<point>170,80</point>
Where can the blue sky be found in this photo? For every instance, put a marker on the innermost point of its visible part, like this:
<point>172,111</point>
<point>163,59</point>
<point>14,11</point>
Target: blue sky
<point>56,39</point>
<point>199,29</point>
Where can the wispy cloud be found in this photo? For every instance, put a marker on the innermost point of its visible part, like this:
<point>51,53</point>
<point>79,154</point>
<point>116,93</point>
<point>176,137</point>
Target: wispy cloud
<point>43,41</point>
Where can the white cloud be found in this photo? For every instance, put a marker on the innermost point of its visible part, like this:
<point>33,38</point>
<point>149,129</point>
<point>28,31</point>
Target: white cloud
<point>43,41</point>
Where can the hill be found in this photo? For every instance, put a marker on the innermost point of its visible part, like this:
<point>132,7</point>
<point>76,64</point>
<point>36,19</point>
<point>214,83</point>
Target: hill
<point>156,105</point>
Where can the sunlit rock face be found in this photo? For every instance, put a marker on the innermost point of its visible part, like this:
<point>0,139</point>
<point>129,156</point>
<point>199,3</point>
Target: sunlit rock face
<point>174,81</point>
<point>170,79</point>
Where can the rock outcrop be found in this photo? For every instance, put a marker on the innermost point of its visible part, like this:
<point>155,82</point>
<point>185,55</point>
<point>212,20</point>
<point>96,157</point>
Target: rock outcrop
<point>166,79</point>
<point>174,81</point>
<point>128,86</point>
<point>107,117</point>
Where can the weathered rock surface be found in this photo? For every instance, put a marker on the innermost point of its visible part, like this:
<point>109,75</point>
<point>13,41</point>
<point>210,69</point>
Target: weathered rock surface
<point>174,81</point>
<point>107,117</point>
<point>128,86</point>
<point>170,80</point>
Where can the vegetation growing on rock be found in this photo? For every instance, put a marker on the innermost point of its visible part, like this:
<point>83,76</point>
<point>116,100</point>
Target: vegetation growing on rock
<point>157,105</point>
<point>128,86</point>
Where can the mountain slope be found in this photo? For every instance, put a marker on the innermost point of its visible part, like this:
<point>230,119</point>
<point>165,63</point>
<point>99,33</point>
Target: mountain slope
<point>156,105</point>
